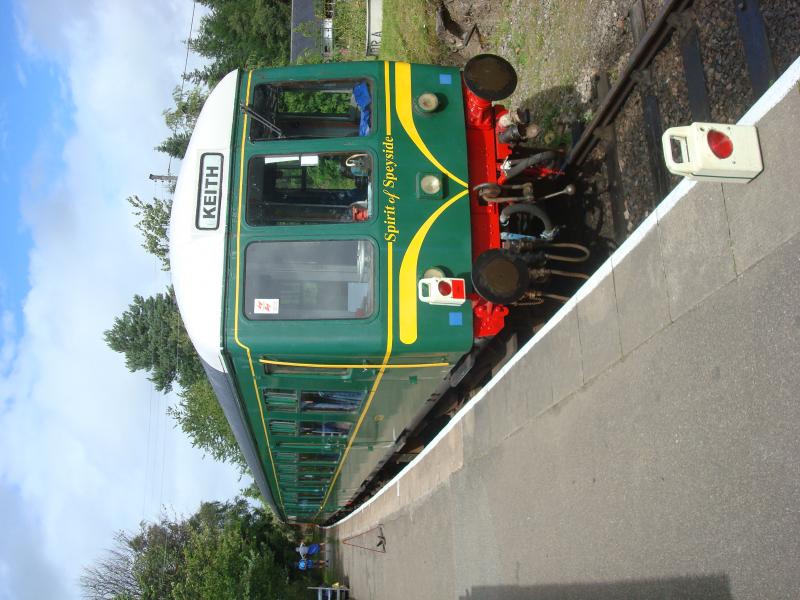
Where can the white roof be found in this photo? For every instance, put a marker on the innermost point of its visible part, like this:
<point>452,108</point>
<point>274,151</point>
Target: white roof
<point>197,250</point>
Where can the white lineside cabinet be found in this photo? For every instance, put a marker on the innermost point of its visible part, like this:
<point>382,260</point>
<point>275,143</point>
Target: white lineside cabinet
<point>713,152</point>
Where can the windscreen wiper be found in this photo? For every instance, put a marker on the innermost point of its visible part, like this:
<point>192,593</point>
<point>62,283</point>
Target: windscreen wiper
<point>261,119</point>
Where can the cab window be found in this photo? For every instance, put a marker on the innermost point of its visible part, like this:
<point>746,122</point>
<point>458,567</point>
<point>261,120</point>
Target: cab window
<point>308,188</point>
<point>309,280</point>
<point>311,109</point>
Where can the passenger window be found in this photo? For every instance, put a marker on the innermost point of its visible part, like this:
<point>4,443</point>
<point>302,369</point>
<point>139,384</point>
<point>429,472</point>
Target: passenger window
<point>309,280</point>
<point>311,496</point>
<point>316,109</point>
<point>278,427</point>
<point>325,429</point>
<point>315,471</point>
<point>280,400</point>
<point>326,457</point>
<point>331,401</point>
<point>309,188</point>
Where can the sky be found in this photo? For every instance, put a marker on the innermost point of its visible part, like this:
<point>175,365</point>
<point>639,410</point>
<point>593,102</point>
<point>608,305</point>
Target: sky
<point>86,448</point>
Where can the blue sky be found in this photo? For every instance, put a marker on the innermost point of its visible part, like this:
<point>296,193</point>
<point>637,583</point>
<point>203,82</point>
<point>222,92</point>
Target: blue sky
<point>85,446</point>
<point>30,100</point>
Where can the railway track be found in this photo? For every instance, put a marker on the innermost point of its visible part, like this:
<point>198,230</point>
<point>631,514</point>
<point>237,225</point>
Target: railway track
<point>694,60</point>
<point>672,78</point>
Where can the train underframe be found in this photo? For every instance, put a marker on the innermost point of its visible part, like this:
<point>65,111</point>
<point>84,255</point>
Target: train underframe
<point>513,185</point>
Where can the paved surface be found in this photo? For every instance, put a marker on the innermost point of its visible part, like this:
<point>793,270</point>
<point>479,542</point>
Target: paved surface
<point>648,445</point>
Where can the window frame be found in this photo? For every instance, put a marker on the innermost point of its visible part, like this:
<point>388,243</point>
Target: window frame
<point>330,411</point>
<point>374,283</point>
<point>369,80</point>
<point>345,153</point>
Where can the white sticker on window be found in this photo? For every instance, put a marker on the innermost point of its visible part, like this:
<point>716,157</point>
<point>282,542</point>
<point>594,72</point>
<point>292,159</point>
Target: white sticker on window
<point>266,306</point>
<point>309,160</point>
<point>271,160</point>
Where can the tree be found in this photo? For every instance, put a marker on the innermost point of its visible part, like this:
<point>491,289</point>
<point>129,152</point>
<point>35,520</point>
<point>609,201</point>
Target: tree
<point>154,225</point>
<point>241,34</point>
<point>181,119</point>
<point>112,577</point>
<point>235,34</point>
<point>224,551</point>
<point>152,337</point>
<point>200,416</point>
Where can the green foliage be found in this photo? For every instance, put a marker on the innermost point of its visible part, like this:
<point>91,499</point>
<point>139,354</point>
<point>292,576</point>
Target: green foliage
<point>199,415</point>
<point>152,337</point>
<point>409,32</point>
<point>175,145</point>
<point>224,551</point>
<point>181,120</point>
<point>235,34</point>
<point>328,176</point>
<point>241,34</point>
<point>154,224</point>
<point>327,103</point>
<point>350,30</point>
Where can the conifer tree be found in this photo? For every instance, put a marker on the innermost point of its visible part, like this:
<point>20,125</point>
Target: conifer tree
<point>152,337</point>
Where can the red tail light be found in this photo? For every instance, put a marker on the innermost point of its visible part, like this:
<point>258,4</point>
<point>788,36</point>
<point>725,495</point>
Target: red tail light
<point>720,144</point>
<point>458,289</point>
<point>444,288</point>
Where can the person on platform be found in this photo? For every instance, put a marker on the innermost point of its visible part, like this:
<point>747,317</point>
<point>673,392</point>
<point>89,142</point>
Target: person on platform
<point>307,564</point>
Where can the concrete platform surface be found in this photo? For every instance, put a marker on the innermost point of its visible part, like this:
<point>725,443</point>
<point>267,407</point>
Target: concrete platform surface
<point>647,443</point>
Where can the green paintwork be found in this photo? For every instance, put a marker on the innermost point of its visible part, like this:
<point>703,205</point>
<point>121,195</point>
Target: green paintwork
<point>402,393</point>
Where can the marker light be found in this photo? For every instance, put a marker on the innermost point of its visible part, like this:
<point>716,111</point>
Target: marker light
<point>428,102</point>
<point>720,144</point>
<point>433,272</point>
<point>430,184</point>
<point>449,291</point>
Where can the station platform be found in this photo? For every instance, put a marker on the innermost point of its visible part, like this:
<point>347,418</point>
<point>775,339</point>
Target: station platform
<point>644,444</point>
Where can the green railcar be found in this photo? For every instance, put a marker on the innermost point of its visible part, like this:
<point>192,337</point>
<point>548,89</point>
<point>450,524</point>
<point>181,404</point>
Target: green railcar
<point>322,251</point>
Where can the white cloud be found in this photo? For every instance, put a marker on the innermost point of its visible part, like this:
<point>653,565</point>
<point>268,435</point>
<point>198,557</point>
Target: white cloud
<point>19,555</point>
<point>8,339</point>
<point>21,76</point>
<point>84,443</point>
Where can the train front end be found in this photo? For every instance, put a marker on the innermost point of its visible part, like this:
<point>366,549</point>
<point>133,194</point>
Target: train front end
<point>322,255</point>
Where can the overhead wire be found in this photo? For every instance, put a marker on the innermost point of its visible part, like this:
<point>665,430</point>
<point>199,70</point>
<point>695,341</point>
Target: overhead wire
<point>183,77</point>
<point>164,414</point>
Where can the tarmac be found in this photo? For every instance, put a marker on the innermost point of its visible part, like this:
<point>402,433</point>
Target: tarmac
<point>646,443</point>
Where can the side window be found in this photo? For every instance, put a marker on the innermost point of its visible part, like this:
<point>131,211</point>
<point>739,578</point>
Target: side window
<point>311,109</point>
<point>331,401</point>
<point>325,457</point>
<point>285,400</point>
<point>297,189</point>
<point>335,429</point>
<point>309,280</point>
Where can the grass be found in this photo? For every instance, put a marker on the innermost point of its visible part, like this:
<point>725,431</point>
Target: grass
<point>350,30</point>
<point>409,32</point>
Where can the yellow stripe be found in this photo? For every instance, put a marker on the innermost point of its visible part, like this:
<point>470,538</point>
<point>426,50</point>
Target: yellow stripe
<point>280,363</point>
<point>403,106</point>
<point>407,296</point>
<point>388,92</point>
<point>236,303</point>
<point>389,317</point>
<point>378,377</point>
